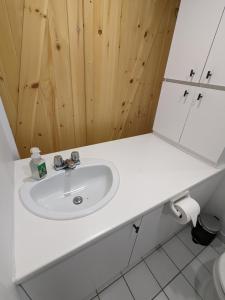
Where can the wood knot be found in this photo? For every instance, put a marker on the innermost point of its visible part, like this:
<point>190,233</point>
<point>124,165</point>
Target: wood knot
<point>100,31</point>
<point>35,85</point>
<point>58,47</point>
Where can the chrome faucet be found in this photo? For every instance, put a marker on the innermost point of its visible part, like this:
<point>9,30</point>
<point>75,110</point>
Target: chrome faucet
<point>71,163</point>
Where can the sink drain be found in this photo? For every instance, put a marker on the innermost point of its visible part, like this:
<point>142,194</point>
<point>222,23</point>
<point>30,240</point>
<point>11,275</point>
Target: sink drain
<point>77,200</point>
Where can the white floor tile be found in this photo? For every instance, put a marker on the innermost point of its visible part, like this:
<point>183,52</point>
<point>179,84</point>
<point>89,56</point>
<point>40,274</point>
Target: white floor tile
<point>210,292</point>
<point>180,289</point>
<point>207,257</point>
<point>180,254</point>
<point>141,282</point>
<point>218,245</point>
<point>186,237</point>
<point>117,291</point>
<point>162,267</point>
<point>198,276</point>
<point>161,296</point>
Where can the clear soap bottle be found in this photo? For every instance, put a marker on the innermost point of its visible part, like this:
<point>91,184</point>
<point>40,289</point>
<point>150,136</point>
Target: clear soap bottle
<point>37,164</point>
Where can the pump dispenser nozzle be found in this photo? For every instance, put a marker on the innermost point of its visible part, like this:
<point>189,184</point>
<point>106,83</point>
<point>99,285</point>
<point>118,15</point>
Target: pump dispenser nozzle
<point>35,152</point>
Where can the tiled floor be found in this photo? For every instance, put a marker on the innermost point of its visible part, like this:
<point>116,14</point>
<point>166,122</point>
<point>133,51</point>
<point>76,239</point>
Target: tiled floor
<point>179,270</point>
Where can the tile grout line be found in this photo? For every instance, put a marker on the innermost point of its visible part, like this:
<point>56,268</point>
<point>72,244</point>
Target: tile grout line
<point>131,268</point>
<point>128,286</point>
<point>161,289</point>
<point>143,260</point>
<point>181,270</point>
<point>26,293</point>
<point>103,289</point>
<point>145,257</point>
<point>153,274</point>
<point>216,249</point>
<point>166,295</point>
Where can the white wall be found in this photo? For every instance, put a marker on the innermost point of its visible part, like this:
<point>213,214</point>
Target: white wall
<point>216,205</point>
<point>7,289</point>
<point>8,132</point>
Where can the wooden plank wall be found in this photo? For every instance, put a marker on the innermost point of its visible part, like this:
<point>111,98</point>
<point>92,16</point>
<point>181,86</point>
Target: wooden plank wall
<point>78,72</point>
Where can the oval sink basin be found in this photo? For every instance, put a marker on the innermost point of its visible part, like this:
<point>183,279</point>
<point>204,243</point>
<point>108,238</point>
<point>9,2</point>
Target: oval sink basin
<point>70,194</point>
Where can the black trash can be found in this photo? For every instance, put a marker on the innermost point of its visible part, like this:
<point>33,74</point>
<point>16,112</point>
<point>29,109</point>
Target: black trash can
<point>206,229</point>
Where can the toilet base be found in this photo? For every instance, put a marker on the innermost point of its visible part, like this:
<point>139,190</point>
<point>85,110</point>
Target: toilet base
<point>216,282</point>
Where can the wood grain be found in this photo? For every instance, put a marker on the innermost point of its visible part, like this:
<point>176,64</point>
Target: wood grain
<point>125,63</point>
<point>76,38</point>
<point>88,71</point>
<point>11,13</point>
<point>35,15</point>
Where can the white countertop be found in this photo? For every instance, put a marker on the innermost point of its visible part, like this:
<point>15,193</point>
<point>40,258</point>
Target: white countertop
<point>151,172</point>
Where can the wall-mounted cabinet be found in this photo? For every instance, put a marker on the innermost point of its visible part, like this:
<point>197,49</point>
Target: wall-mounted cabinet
<point>214,71</point>
<point>193,36</point>
<point>173,109</point>
<point>204,131</point>
<point>201,128</point>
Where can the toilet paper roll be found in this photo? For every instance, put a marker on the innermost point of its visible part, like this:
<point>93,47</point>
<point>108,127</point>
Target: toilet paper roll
<point>185,210</point>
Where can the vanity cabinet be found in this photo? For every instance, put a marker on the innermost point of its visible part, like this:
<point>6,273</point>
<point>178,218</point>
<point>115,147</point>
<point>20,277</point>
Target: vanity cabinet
<point>156,227</point>
<point>201,129</point>
<point>195,30</point>
<point>78,276</point>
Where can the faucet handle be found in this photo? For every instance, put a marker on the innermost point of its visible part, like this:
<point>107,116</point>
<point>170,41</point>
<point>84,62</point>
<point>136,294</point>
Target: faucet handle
<point>75,156</point>
<point>58,161</point>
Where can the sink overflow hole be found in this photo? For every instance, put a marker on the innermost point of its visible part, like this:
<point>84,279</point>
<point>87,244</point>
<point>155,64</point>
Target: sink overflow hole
<point>77,200</point>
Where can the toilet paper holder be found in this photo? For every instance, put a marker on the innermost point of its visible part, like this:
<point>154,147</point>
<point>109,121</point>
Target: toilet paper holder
<point>178,198</point>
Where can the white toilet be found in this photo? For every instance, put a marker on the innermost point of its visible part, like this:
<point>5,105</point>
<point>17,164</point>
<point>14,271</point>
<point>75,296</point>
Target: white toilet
<point>219,276</point>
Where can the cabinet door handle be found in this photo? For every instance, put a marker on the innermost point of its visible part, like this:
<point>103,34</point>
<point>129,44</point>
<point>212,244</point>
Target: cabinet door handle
<point>192,73</point>
<point>208,75</point>
<point>186,93</point>
<point>136,228</point>
<point>200,96</point>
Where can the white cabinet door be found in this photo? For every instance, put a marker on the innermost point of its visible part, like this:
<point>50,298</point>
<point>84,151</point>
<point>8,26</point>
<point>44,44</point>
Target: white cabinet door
<point>195,29</point>
<point>204,132</point>
<point>155,228</point>
<point>214,71</point>
<point>172,111</point>
<point>78,276</point>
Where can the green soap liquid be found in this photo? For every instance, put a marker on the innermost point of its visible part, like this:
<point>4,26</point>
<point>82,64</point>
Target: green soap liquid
<point>42,170</point>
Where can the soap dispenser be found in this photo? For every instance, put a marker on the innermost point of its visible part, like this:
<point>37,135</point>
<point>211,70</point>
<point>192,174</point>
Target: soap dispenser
<point>37,164</point>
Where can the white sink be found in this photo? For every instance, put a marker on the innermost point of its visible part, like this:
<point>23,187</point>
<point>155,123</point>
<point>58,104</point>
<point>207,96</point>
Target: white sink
<point>70,194</point>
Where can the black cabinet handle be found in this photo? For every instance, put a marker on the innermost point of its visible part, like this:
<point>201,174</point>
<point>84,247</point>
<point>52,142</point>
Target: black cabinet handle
<point>200,96</point>
<point>208,75</point>
<point>185,93</point>
<point>192,73</point>
<point>136,228</point>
